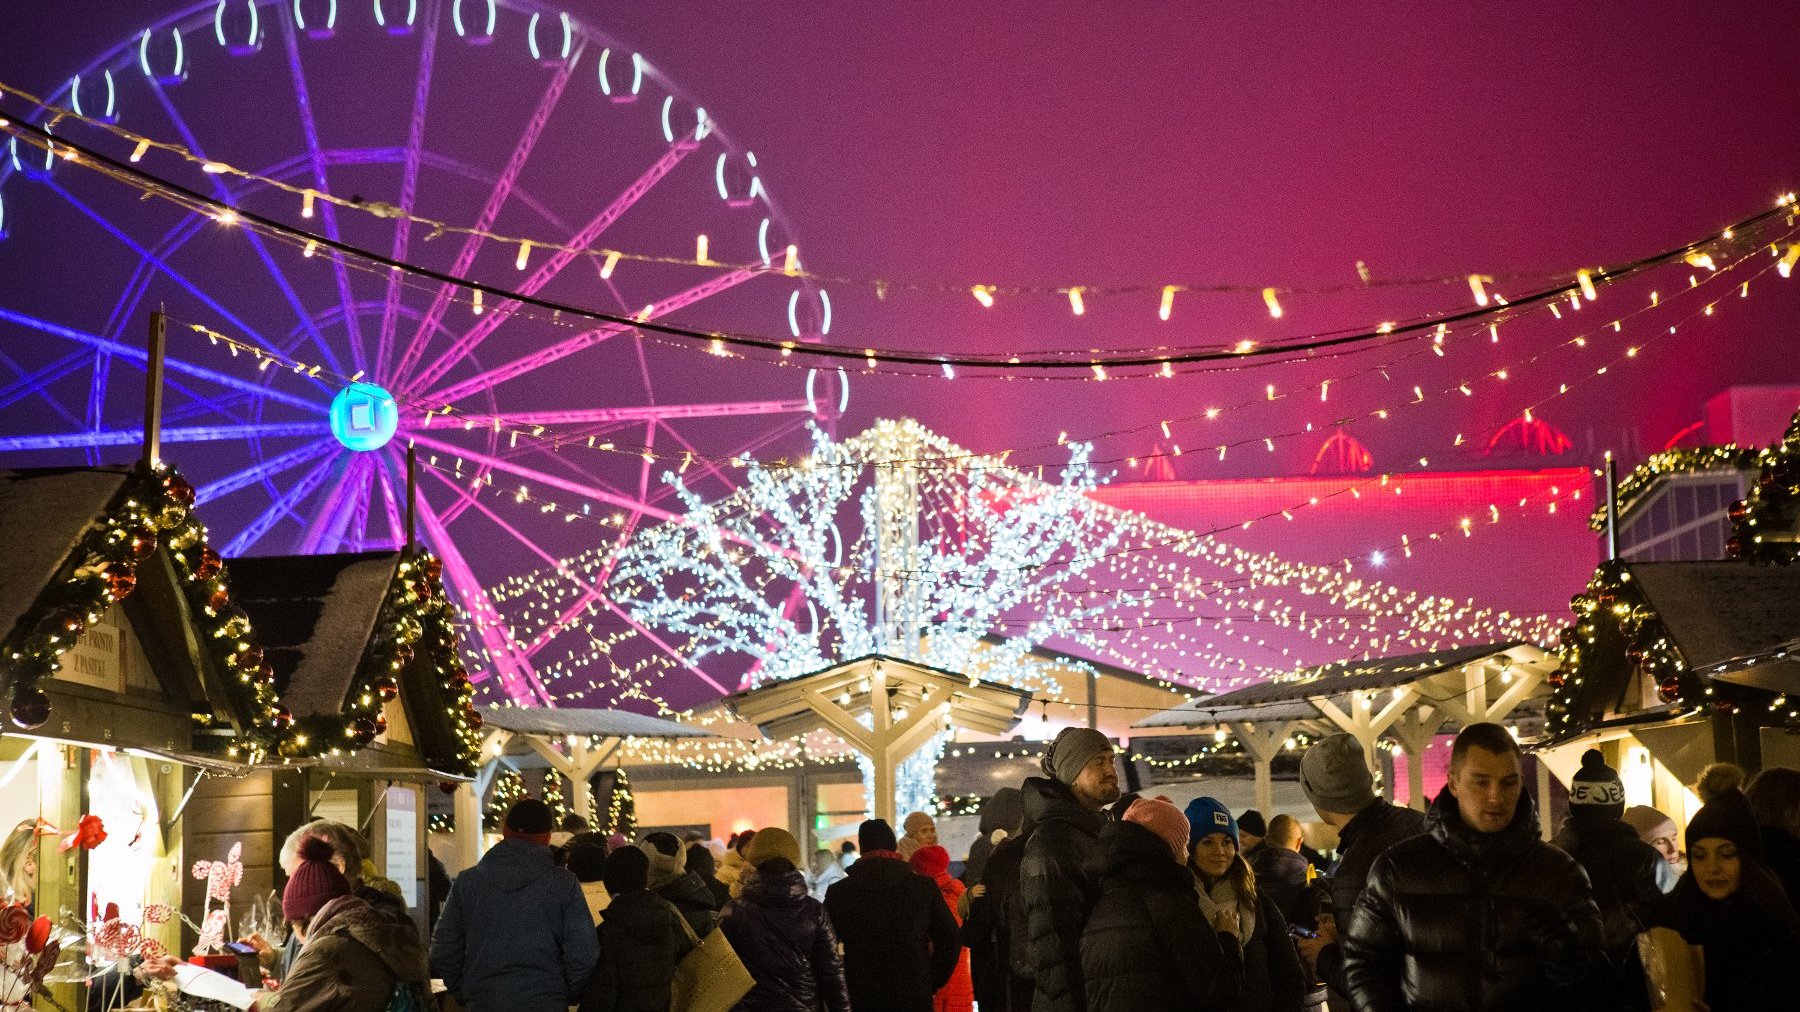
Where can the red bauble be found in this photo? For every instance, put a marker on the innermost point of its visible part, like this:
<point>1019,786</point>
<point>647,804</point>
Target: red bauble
<point>1555,678</point>
<point>1739,510</point>
<point>219,601</point>
<point>448,786</point>
<point>460,682</point>
<point>30,708</point>
<point>1734,547</point>
<point>387,689</point>
<point>141,544</point>
<point>433,566</point>
<point>1635,654</point>
<point>281,717</point>
<point>473,716</point>
<point>1668,690</point>
<point>403,655</point>
<point>209,564</point>
<point>380,724</point>
<point>249,657</point>
<point>362,731</point>
<point>121,579</point>
<point>178,490</point>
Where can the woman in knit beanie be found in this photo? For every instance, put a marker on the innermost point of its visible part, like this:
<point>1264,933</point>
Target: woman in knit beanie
<point>1734,908</point>
<point>352,957</point>
<point>1273,980</point>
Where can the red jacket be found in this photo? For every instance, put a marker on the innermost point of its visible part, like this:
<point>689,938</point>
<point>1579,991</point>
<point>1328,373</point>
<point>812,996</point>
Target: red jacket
<point>959,994</point>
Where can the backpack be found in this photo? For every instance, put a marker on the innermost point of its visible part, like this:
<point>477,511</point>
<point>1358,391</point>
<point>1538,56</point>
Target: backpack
<point>408,997</point>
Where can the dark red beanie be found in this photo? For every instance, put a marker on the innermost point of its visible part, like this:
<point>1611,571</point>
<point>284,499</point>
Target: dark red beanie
<point>931,861</point>
<point>315,883</point>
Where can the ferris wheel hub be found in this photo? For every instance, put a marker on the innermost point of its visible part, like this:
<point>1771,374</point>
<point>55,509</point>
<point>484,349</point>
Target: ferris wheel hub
<point>364,417</point>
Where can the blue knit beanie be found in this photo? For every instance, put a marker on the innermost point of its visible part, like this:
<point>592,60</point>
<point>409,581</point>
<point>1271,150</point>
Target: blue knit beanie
<point>1205,817</point>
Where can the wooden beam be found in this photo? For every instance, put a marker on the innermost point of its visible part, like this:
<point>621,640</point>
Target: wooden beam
<point>1415,729</point>
<point>841,722</point>
<point>1263,744</point>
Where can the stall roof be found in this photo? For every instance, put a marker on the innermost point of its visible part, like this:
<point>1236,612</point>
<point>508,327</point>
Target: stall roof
<point>587,723</point>
<point>1286,700</point>
<point>314,616</point>
<point>1719,611</point>
<point>44,513</point>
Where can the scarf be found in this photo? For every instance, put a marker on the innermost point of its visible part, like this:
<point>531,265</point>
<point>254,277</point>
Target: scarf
<point>1218,897</point>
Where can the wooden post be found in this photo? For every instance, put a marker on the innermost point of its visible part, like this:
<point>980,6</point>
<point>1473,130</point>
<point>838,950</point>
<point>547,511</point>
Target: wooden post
<point>412,494</point>
<point>1415,729</point>
<point>1093,700</point>
<point>1612,508</point>
<point>153,391</point>
<point>1264,744</point>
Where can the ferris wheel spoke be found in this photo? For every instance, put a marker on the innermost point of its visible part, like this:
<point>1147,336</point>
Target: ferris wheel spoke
<point>644,413</point>
<point>517,678</point>
<point>283,506</point>
<point>276,274</point>
<point>39,383</point>
<point>409,189</point>
<point>531,474</point>
<point>712,469</point>
<point>309,127</point>
<point>169,270</point>
<point>262,470</point>
<point>181,434</point>
<point>553,266</point>
<point>586,339</point>
<point>503,187</point>
<point>324,532</point>
<point>139,356</point>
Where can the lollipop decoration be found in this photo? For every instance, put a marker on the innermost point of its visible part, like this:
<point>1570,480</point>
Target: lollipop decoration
<point>220,878</point>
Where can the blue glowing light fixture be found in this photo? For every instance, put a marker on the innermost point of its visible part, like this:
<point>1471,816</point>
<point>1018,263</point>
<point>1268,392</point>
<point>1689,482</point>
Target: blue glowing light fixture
<point>363,416</point>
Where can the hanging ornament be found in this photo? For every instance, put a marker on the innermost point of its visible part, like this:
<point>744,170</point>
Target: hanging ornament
<point>218,601</point>
<point>30,708</point>
<point>178,490</point>
<point>121,579</point>
<point>280,717</point>
<point>387,689</point>
<point>362,731</point>
<point>209,564</point>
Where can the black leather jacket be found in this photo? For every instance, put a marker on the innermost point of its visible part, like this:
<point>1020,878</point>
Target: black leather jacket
<point>1456,919</point>
<point>1059,883</point>
<point>785,940</point>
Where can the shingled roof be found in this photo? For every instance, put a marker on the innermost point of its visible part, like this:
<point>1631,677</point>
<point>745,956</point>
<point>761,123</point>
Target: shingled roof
<point>314,616</point>
<point>44,514</point>
<point>1716,611</point>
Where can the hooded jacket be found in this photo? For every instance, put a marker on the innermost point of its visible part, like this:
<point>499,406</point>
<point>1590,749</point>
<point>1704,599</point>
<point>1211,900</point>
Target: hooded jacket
<point>1003,811</point>
<point>1146,946</point>
<point>670,879</point>
<point>642,939</point>
<point>786,942</point>
<point>1059,883</point>
<point>1623,870</point>
<point>700,861</point>
<point>900,941</point>
<point>353,957</point>
<point>1456,919</point>
<point>515,934</point>
<point>988,931</point>
<point>958,994</point>
<point>1367,836</point>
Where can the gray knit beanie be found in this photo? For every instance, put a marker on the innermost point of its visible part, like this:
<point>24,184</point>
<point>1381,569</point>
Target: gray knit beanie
<point>1072,749</point>
<point>1335,777</point>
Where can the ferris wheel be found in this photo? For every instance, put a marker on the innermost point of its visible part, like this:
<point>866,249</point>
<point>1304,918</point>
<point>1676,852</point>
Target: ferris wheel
<point>505,117</point>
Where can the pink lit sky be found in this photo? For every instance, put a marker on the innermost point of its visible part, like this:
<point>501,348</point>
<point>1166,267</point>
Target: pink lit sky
<point>1173,142</point>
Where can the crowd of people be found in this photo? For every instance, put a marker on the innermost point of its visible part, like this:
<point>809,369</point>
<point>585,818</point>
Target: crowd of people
<point>1079,898</point>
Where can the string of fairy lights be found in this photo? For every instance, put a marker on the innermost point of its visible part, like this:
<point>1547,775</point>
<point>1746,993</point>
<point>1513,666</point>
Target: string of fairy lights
<point>1159,361</point>
<point>1423,617</point>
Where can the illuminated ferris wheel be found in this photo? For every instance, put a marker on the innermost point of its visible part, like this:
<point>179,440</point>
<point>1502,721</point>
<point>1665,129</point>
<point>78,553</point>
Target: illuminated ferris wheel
<point>506,117</point>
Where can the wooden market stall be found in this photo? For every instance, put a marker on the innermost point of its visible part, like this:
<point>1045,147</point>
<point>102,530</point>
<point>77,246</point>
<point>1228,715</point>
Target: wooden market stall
<point>364,655</point>
<point>127,666</point>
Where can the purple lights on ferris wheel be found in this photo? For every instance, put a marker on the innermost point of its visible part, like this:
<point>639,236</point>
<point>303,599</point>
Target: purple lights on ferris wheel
<point>295,460</point>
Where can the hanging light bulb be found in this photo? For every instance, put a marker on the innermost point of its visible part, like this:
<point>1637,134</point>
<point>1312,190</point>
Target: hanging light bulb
<point>1478,288</point>
<point>984,294</point>
<point>1586,281</point>
<point>700,250</point>
<point>612,261</point>
<point>524,254</point>
<point>1076,306</point>
<point>1168,302</point>
<point>1272,302</point>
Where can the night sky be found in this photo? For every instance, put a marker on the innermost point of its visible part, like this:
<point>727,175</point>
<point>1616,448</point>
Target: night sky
<point>1154,143</point>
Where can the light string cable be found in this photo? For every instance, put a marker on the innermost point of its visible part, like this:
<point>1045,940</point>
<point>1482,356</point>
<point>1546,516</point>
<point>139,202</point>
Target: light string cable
<point>985,293</point>
<point>548,434</point>
<point>1098,363</point>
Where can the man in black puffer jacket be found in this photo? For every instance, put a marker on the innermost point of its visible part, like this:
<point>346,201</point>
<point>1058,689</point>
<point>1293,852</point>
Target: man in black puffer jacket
<point>1059,876</point>
<point>1147,947</point>
<point>900,941</point>
<point>1623,869</point>
<point>1477,914</point>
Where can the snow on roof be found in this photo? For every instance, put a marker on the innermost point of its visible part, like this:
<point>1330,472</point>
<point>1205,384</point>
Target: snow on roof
<point>44,513</point>
<point>313,615</point>
<point>587,723</point>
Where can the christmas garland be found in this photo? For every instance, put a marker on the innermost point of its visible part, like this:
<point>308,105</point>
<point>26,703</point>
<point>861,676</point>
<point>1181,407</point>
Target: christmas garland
<point>1764,524</point>
<point>1681,460</point>
<point>1612,618</point>
<point>157,512</point>
<point>416,619</point>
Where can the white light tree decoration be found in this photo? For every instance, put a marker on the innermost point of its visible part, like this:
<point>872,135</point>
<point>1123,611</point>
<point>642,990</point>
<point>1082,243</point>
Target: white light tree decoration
<point>898,541</point>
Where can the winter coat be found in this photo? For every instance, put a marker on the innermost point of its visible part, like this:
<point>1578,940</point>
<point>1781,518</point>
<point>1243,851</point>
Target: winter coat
<point>642,939</point>
<point>515,933</point>
<point>1624,871</point>
<point>1751,940</point>
<point>353,957</point>
<point>1273,979</point>
<point>786,942</point>
<point>1456,919</point>
<point>1364,838</point>
<point>958,993</point>
<point>1059,883</point>
<point>1004,810</point>
<point>1147,947</point>
<point>900,940</point>
<point>1281,876</point>
<point>700,861</point>
<point>689,894</point>
<point>988,931</point>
